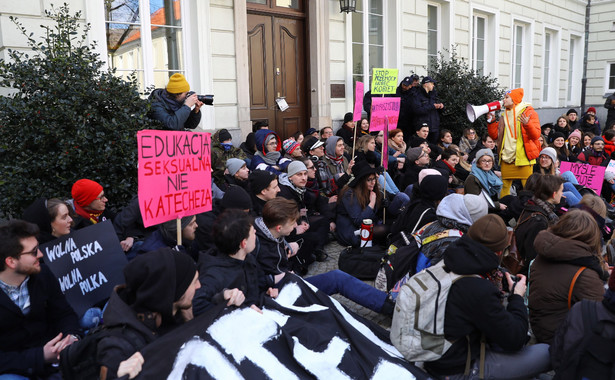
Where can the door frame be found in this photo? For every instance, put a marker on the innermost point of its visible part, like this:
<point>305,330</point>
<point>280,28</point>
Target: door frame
<point>316,18</point>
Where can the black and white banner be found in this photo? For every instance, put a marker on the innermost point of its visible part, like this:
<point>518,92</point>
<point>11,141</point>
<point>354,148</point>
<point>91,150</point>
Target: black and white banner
<point>302,334</point>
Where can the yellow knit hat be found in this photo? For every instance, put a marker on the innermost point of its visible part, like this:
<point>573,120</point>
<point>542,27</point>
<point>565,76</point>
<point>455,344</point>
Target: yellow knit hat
<point>177,84</point>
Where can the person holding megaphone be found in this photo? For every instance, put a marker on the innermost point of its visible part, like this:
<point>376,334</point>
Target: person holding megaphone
<point>517,133</point>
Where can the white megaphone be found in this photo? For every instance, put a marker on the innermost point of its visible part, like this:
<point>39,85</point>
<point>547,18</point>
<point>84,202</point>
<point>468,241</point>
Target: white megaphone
<point>474,112</point>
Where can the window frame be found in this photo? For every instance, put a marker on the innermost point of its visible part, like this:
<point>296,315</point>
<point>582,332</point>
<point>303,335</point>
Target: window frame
<point>492,38</point>
<point>554,64</point>
<point>366,76</point>
<point>527,49</point>
<point>609,72</point>
<point>438,32</point>
<point>147,45</point>
<point>574,69</point>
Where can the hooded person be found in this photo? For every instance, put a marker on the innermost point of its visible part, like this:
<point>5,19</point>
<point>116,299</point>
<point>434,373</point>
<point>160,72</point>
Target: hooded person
<point>517,135</point>
<point>474,311</point>
<point>454,216</point>
<point>222,150</point>
<point>338,169</point>
<point>173,107</point>
<point>159,287</point>
<point>426,194</point>
<point>268,154</point>
<point>90,203</point>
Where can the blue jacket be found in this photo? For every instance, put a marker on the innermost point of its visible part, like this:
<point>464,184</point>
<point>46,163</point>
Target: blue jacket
<point>258,162</point>
<point>350,215</point>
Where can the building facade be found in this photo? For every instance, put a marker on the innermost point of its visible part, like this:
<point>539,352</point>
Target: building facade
<point>253,54</point>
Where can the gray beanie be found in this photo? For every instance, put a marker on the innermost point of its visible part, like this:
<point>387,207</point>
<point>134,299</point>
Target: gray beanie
<point>234,164</point>
<point>483,152</point>
<point>549,152</point>
<point>476,205</point>
<point>295,167</point>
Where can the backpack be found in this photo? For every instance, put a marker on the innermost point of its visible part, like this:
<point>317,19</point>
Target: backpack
<point>596,359</point>
<point>79,360</point>
<point>405,257</point>
<point>417,329</point>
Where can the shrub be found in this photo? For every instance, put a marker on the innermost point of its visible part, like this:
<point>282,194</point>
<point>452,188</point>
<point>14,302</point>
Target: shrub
<point>66,119</point>
<point>457,85</point>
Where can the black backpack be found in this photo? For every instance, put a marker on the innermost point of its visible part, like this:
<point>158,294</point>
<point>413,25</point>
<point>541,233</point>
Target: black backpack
<point>596,358</point>
<point>79,360</point>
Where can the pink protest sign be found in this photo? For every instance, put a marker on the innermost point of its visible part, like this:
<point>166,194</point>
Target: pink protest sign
<point>588,175</point>
<point>382,108</point>
<point>358,101</point>
<point>174,174</point>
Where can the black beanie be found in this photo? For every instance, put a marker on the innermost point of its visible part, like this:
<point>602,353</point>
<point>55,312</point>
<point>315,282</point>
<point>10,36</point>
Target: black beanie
<point>556,135</point>
<point>236,197</point>
<point>156,279</point>
<point>572,110</point>
<point>417,141</point>
<point>433,187</point>
<point>259,180</point>
<point>348,117</point>
<point>224,135</point>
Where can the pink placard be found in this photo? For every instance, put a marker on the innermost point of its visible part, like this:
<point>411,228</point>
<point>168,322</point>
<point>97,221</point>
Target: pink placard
<point>381,108</point>
<point>174,174</point>
<point>588,175</point>
<point>358,101</point>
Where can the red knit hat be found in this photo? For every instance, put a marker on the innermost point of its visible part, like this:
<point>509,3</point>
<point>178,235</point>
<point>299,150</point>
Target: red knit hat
<point>85,191</point>
<point>516,95</point>
<point>591,109</point>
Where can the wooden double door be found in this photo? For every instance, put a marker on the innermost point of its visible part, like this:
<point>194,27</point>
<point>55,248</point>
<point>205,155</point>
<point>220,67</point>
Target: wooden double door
<point>277,65</point>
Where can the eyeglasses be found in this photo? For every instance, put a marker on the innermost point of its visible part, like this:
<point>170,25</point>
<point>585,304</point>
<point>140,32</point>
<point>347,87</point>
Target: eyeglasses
<point>545,157</point>
<point>471,133</point>
<point>102,197</point>
<point>33,252</point>
<point>485,161</point>
<point>311,167</point>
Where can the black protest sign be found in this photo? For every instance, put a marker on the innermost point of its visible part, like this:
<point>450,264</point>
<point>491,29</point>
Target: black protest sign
<point>88,263</point>
<point>302,334</point>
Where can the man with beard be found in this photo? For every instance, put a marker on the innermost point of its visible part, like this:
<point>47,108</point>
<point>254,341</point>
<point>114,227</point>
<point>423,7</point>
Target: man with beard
<point>37,322</point>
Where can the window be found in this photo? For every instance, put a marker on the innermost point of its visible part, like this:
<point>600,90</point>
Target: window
<point>574,70</point>
<point>517,56</point>
<point>433,41</point>
<point>146,37</point>
<point>367,39</point>
<point>545,73</point>
<point>611,77</point>
<point>478,50</point>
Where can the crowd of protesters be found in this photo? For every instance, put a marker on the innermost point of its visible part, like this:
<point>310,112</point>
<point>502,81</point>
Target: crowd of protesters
<point>280,199</point>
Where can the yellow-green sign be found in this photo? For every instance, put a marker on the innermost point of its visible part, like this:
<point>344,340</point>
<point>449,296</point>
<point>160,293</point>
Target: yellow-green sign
<point>384,81</point>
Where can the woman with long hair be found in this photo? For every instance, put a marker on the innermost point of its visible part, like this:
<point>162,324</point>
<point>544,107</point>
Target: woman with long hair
<point>362,127</point>
<point>568,268</point>
<point>537,215</point>
<point>446,139</point>
<point>397,146</point>
<point>359,200</point>
<point>52,216</point>
<point>562,126</point>
<point>559,144</point>
<point>469,140</point>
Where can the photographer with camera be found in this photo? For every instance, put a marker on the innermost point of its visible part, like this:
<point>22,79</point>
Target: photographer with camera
<point>175,106</point>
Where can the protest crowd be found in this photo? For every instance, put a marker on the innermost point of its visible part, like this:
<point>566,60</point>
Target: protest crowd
<point>492,254</point>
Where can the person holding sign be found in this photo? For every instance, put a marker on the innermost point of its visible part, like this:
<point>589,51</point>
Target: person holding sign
<point>37,321</point>
<point>517,134</point>
<point>173,107</point>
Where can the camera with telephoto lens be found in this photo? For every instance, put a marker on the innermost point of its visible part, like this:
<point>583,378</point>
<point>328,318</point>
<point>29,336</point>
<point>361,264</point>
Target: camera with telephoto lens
<point>208,100</point>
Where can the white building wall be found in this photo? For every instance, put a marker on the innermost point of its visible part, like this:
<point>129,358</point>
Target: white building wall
<point>601,53</point>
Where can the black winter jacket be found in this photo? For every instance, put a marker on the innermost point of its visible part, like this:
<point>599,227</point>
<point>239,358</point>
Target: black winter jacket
<point>271,253</point>
<point>474,307</point>
<point>218,272</point>
<point>22,337</point>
